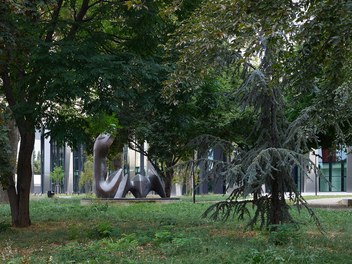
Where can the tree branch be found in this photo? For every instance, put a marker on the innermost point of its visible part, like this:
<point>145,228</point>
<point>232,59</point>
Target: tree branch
<point>79,18</point>
<point>98,2</point>
<point>51,30</point>
<point>176,159</point>
<point>139,147</point>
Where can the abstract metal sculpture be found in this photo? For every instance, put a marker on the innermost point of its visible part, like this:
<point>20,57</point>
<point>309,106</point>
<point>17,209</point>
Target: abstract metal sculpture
<point>117,185</point>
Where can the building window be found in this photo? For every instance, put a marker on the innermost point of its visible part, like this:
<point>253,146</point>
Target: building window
<point>333,165</point>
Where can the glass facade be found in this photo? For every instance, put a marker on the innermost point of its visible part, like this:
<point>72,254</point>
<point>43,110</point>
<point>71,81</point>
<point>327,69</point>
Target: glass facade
<point>333,165</point>
<point>298,176</point>
<point>57,159</point>
<point>78,162</point>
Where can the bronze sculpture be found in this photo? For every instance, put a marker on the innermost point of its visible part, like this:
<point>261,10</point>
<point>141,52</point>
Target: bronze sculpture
<point>117,185</point>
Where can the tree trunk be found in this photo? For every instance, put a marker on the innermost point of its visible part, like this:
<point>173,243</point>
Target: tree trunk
<point>275,203</point>
<point>169,175</point>
<point>19,197</point>
<point>3,196</point>
<point>168,185</point>
<point>13,140</point>
<point>279,212</point>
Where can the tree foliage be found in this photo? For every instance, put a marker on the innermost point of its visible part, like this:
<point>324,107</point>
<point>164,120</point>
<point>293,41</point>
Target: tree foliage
<point>6,162</point>
<point>64,62</point>
<point>57,175</point>
<point>323,58</point>
<point>86,179</point>
<point>168,126</point>
<point>257,47</point>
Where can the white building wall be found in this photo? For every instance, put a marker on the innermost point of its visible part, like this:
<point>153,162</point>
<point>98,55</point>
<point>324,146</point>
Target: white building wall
<point>311,181</point>
<point>68,169</point>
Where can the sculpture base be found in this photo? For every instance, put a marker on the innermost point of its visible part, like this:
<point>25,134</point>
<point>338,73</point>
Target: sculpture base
<point>91,201</point>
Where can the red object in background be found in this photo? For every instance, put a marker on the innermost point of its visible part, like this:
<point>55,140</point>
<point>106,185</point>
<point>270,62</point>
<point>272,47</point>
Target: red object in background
<point>326,155</point>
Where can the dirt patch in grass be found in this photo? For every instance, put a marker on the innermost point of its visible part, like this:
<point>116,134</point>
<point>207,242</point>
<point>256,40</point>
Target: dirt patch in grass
<point>313,233</point>
<point>233,233</point>
<point>47,226</point>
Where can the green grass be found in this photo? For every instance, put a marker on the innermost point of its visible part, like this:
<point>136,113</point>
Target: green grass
<point>63,231</point>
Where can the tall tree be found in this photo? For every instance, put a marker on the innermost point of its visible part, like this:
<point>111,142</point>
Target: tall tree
<point>31,34</point>
<point>60,62</point>
<point>142,109</point>
<point>255,41</point>
<point>168,128</point>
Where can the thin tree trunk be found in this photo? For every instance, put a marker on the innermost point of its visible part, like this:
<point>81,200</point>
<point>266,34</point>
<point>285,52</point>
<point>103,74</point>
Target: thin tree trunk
<point>169,175</point>
<point>13,200</point>
<point>3,196</point>
<point>13,139</point>
<point>19,197</point>
<point>168,184</point>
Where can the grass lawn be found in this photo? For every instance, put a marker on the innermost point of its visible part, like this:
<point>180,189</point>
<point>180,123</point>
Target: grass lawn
<point>63,231</point>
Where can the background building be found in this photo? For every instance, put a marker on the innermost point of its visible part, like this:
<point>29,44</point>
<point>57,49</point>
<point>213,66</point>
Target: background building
<point>51,155</point>
<point>336,172</point>
<point>335,167</point>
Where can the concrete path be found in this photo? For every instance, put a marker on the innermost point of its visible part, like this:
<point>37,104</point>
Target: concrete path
<point>340,202</point>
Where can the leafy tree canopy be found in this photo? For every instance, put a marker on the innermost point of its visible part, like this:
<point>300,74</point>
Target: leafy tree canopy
<point>63,62</point>
<point>259,47</point>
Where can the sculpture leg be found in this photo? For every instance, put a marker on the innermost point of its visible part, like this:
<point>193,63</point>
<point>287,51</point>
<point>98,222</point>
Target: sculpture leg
<point>140,186</point>
<point>156,185</point>
<point>124,187</point>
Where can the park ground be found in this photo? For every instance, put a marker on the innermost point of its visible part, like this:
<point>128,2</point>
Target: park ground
<point>63,231</point>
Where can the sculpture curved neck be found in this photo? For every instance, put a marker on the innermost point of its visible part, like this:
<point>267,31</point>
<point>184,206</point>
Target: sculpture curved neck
<point>103,187</point>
